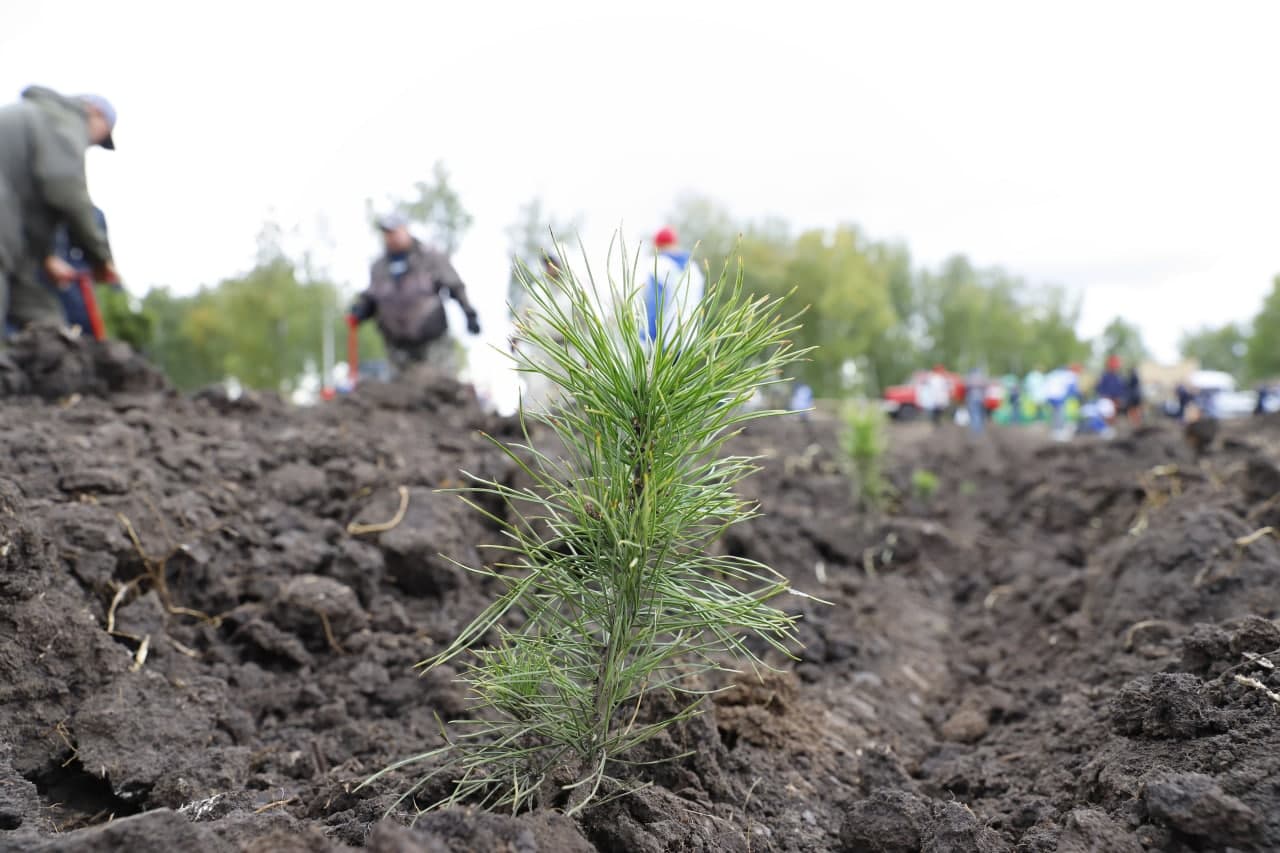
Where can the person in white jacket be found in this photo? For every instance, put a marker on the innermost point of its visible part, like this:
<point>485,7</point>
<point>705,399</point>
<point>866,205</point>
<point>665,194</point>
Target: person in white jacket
<point>672,292</point>
<point>933,394</point>
<point>539,390</point>
<point>1060,386</point>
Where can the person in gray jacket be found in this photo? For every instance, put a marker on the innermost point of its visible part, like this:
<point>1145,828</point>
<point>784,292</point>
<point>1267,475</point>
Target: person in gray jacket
<point>406,293</point>
<point>43,139</point>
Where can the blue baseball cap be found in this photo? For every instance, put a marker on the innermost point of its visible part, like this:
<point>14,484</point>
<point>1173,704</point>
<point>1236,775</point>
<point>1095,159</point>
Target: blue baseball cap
<point>103,106</point>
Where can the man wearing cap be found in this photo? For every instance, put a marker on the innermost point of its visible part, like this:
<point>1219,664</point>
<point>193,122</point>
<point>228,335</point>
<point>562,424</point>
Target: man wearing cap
<point>407,288</point>
<point>672,292</point>
<point>43,139</point>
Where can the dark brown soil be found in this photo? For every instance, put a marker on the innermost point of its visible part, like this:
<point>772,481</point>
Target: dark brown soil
<point>1063,649</point>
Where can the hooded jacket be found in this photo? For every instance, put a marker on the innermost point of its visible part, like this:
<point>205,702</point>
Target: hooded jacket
<point>43,139</point>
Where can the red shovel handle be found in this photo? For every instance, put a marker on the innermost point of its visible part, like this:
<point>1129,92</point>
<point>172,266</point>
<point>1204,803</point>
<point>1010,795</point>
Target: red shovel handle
<point>353,354</point>
<point>91,307</point>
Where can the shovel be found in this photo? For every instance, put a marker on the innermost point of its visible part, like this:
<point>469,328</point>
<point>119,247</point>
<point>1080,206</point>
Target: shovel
<point>91,307</point>
<point>353,355</point>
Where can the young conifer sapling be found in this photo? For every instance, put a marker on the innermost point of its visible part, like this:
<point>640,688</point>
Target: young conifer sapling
<point>605,556</point>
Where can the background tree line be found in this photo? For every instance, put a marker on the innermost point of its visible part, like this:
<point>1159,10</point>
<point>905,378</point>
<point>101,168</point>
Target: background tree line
<point>1250,352</point>
<point>874,315</point>
<point>872,307</point>
<point>265,327</point>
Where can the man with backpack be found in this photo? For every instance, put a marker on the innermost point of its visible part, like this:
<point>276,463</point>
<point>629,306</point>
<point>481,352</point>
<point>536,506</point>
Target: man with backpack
<point>407,289</point>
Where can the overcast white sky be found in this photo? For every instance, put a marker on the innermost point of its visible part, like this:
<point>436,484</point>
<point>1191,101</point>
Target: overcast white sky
<point>1128,150</point>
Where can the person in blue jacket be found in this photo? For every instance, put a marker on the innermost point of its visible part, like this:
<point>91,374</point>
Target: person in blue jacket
<point>673,289</point>
<point>802,400</point>
<point>73,307</point>
<point>975,398</point>
<point>1112,386</point>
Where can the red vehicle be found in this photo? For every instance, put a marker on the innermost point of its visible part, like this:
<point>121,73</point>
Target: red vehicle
<point>900,401</point>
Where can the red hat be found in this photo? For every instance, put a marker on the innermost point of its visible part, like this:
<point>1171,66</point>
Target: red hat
<point>665,238</point>
<point>1113,363</point>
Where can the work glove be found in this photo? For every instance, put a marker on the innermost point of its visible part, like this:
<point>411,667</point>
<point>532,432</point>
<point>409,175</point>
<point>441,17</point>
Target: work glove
<point>473,324</point>
<point>352,322</point>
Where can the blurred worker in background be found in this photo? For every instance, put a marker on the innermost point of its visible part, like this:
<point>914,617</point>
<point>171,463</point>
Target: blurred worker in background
<point>1112,386</point>
<point>74,310</point>
<point>1133,399</point>
<point>802,399</point>
<point>1012,397</point>
<point>1262,400</point>
<point>1033,395</point>
<point>672,292</point>
<point>934,393</point>
<point>1184,399</point>
<point>407,289</point>
<point>539,390</point>
<point>1060,387</point>
<point>43,139</point>
<point>975,398</point>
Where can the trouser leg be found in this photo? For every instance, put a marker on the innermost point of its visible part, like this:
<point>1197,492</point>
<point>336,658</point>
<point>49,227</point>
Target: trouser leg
<point>442,354</point>
<point>29,301</point>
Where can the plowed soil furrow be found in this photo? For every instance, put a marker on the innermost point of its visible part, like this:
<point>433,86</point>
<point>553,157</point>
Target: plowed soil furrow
<point>210,610</point>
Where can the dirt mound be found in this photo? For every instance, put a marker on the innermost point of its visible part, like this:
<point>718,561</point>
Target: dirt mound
<point>191,609</point>
<point>52,363</point>
<point>210,609</point>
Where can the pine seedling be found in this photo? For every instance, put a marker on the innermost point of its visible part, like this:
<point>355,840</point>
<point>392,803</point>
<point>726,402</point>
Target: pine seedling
<point>924,484</point>
<point>604,558</point>
<point>865,442</point>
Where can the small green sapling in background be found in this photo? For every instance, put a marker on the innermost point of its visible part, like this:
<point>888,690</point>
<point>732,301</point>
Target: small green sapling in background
<point>605,556</point>
<point>924,484</point>
<point>864,438</point>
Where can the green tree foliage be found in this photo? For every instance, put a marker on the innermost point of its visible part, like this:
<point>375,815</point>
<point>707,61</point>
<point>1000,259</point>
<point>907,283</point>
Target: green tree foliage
<point>871,307</point>
<point>849,302</point>
<point>989,319</point>
<point>265,328</point>
<point>186,344</point>
<point>961,313</point>
<point>1051,337</point>
<point>276,322</point>
<point>124,318</point>
<point>1262,355</point>
<point>1219,348</point>
<point>1124,339</point>
<point>436,206</point>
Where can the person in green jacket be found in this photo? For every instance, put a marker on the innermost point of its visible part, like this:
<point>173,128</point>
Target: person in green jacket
<point>43,139</point>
